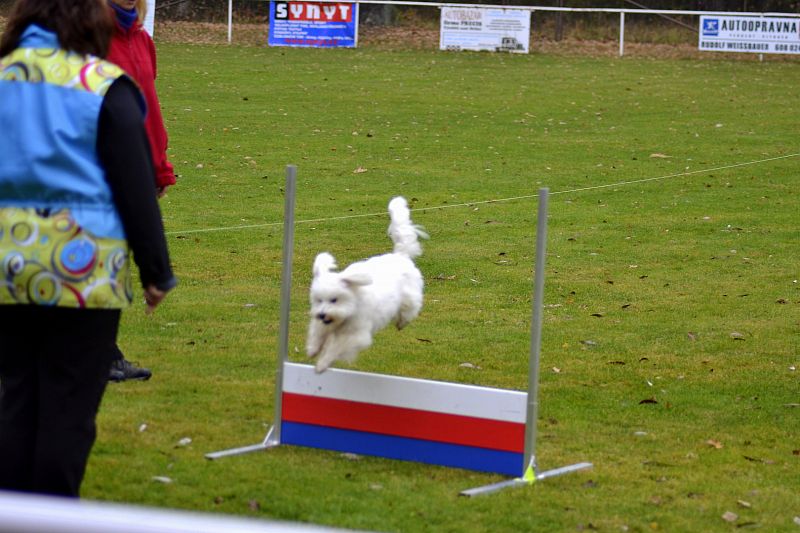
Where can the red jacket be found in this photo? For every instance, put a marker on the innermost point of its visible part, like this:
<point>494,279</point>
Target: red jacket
<point>135,52</point>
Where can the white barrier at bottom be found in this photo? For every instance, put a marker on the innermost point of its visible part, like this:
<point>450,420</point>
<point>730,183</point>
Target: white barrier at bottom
<point>30,513</point>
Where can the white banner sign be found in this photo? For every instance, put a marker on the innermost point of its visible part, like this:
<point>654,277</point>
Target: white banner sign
<point>496,30</point>
<point>761,35</point>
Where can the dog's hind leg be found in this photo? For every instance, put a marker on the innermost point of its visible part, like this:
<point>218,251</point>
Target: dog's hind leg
<point>409,310</point>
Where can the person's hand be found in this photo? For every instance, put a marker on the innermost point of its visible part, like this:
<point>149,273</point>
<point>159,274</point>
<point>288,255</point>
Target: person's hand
<point>153,297</point>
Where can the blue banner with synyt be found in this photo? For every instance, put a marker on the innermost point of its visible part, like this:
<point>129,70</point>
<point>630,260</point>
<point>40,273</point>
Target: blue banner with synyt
<point>313,24</point>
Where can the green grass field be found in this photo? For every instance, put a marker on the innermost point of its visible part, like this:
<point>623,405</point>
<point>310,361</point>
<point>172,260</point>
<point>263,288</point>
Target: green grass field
<point>671,335</point>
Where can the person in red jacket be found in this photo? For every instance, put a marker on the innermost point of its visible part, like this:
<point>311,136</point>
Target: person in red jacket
<point>133,50</point>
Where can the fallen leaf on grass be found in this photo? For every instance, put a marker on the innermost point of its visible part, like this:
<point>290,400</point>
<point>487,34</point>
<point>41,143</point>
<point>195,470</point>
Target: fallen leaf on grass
<point>730,517</point>
<point>162,479</point>
<point>648,400</point>
<point>253,505</point>
<point>714,443</point>
<point>744,504</point>
<point>359,170</point>
<point>691,336</point>
<point>735,335</point>
<point>659,156</point>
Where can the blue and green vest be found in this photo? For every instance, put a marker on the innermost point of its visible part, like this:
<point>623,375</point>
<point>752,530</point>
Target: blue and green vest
<point>61,238</point>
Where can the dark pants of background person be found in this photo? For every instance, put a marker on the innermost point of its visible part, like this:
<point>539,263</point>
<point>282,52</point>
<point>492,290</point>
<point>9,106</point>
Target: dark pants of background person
<point>54,365</point>
<point>116,354</point>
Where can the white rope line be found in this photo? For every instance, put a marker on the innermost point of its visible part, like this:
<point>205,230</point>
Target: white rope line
<point>494,201</point>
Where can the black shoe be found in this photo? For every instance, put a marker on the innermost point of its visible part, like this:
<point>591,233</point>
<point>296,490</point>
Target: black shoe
<point>123,370</point>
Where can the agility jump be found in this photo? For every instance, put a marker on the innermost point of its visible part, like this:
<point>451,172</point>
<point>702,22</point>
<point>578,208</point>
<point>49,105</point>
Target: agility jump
<point>449,424</point>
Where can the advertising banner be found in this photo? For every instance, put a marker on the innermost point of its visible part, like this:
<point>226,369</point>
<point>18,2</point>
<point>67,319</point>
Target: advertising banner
<point>495,30</point>
<point>313,24</point>
<point>761,35</point>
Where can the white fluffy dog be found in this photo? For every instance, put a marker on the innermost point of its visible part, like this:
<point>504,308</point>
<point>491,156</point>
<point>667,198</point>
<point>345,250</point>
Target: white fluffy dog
<point>349,307</point>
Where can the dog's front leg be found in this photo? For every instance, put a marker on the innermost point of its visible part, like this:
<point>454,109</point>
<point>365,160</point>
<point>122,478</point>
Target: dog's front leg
<point>317,333</point>
<point>342,345</point>
<point>326,357</point>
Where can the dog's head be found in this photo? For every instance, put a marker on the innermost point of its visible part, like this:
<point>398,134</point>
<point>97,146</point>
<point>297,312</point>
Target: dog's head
<point>334,295</point>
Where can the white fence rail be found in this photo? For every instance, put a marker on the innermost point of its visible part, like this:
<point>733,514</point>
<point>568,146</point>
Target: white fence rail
<point>622,12</point>
<point>28,513</point>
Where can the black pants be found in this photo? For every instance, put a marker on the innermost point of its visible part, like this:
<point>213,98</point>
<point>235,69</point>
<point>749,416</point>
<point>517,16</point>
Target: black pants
<point>54,365</point>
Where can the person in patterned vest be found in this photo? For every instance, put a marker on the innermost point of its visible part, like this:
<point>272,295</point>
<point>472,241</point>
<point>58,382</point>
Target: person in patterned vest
<point>76,200</point>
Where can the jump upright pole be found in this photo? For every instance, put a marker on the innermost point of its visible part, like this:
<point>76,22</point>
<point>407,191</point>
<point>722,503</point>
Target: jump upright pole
<point>532,412</point>
<point>273,437</point>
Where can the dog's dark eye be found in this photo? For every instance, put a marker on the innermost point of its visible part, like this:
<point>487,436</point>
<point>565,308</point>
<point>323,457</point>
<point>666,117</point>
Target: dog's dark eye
<point>333,300</point>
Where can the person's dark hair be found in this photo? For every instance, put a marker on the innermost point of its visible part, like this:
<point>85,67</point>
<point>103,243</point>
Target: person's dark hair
<point>82,26</point>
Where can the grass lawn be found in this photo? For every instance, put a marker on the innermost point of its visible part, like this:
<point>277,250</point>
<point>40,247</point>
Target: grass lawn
<point>671,335</point>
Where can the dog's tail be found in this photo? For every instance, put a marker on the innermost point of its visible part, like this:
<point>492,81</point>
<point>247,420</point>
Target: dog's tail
<point>404,233</point>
